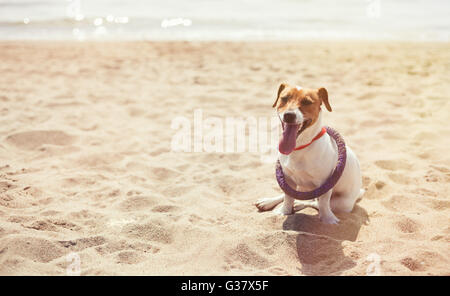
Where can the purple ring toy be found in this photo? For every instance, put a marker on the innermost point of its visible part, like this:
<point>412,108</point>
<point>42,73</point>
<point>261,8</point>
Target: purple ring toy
<point>328,184</point>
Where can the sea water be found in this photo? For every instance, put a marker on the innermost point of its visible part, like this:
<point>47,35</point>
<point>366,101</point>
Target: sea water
<point>413,20</point>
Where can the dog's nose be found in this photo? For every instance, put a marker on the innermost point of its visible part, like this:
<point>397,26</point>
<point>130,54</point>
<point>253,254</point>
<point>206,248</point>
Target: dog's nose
<point>289,117</point>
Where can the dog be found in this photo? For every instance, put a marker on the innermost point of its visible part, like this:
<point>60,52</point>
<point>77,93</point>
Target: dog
<point>307,168</point>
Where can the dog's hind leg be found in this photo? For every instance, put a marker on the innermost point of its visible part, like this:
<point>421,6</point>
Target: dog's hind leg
<point>266,204</point>
<point>345,203</point>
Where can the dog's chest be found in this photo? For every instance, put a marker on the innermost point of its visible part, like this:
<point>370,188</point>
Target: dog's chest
<point>310,168</point>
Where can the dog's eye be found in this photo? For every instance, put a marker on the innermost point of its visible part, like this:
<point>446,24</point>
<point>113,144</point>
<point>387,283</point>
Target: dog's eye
<point>284,99</point>
<point>306,102</point>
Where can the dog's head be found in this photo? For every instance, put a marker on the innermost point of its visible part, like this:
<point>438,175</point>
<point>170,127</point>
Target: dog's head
<point>300,106</point>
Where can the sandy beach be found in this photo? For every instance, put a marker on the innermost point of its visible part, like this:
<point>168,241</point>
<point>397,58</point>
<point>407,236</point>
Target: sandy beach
<point>87,170</point>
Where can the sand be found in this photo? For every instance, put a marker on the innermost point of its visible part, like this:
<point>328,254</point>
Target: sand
<point>87,171</point>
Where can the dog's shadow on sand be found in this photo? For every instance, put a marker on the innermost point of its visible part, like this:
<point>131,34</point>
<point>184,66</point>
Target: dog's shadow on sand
<point>319,245</point>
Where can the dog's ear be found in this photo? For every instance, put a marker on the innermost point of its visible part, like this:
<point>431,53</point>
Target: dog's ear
<point>280,89</point>
<point>323,95</point>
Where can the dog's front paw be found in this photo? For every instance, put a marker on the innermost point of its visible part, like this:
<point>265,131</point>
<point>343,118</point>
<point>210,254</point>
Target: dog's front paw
<point>329,219</point>
<point>265,204</point>
<point>283,210</point>
<point>268,203</point>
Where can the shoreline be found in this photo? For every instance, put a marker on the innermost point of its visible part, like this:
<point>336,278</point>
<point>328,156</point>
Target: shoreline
<point>436,42</point>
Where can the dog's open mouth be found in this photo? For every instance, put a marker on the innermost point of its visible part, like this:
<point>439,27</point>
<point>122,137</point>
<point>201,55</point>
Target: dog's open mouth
<point>290,133</point>
<point>305,124</point>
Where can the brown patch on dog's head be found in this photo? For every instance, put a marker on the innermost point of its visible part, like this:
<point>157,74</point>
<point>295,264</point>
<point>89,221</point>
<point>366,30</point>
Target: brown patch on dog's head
<point>309,101</point>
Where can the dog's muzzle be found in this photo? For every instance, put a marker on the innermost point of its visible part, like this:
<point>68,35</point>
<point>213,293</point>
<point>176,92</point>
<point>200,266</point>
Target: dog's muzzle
<point>289,117</point>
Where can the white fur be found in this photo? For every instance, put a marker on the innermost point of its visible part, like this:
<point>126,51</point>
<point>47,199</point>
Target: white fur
<point>308,168</point>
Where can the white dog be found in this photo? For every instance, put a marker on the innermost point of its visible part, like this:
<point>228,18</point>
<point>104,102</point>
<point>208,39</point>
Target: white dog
<point>309,157</point>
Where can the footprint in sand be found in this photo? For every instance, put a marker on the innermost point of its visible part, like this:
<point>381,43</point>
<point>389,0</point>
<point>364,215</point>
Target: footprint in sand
<point>151,232</point>
<point>400,179</point>
<point>125,245</point>
<point>399,203</point>
<point>176,190</point>
<point>407,225</point>
<point>42,226</point>
<point>367,96</point>
<point>20,199</point>
<point>373,188</point>
<point>5,186</point>
<point>137,203</point>
<point>412,264</point>
<point>158,151</point>
<point>243,254</point>
<point>436,176</point>
<point>33,139</point>
<point>83,243</point>
<point>49,213</point>
<point>162,173</point>
<point>130,257</point>
<point>425,192</point>
<point>437,204</point>
<point>423,260</point>
<point>20,219</point>
<point>164,208</point>
<point>97,160</point>
<point>425,137</point>
<point>393,165</point>
<point>441,168</point>
<point>36,249</point>
<point>52,225</point>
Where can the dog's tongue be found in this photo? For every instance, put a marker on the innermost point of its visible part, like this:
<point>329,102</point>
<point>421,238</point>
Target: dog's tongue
<point>287,142</point>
